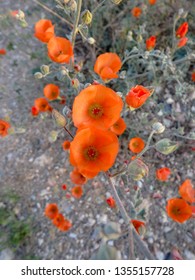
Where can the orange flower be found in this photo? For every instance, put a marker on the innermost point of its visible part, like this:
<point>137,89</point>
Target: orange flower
<point>137,96</point>
<point>77,178</point>
<point>51,91</point>
<point>41,104</point>
<point>178,210</point>
<point>107,65</point>
<point>14,13</point>
<point>58,220</point>
<point>136,145</point>
<point>93,150</point>
<point>77,192</point>
<point>111,202</point>
<point>162,174</point>
<point>193,76</point>
<point>101,107</point>
<point>60,50</point>
<point>4,126</point>
<point>136,12</point>
<point>182,42</point>
<point>51,211</point>
<point>182,30</point>
<point>152,2</point>
<point>138,225</point>
<point>187,192</point>
<point>2,52</point>
<point>118,127</point>
<point>65,225</point>
<point>66,145</point>
<point>34,111</point>
<point>44,30</point>
<point>150,43</point>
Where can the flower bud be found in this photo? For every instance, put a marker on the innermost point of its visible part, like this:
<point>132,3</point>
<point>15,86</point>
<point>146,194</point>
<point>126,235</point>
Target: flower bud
<point>166,146</point>
<point>116,2</point>
<point>137,169</point>
<point>59,118</point>
<point>91,40</point>
<point>75,83</point>
<point>45,69</point>
<point>73,5</point>
<point>38,75</point>
<point>20,15</point>
<point>158,127</point>
<point>86,17</point>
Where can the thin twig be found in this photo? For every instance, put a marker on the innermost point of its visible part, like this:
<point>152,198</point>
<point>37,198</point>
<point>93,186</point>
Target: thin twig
<point>132,232</point>
<point>76,22</point>
<point>52,12</point>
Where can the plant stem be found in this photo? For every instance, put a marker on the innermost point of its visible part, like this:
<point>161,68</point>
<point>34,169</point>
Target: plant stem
<point>132,232</point>
<point>76,22</point>
<point>147,145</point>
<point>98,6</point>
<point>68,132</point>
<point>52,12</point>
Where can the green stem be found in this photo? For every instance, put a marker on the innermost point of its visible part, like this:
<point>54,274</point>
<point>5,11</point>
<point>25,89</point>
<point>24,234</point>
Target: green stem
<point>132,232</point>
<point>147,144</point>
<point>98,6</point>
<point>76,22</point>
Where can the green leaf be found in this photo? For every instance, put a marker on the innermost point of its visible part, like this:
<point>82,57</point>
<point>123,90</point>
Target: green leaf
<point>166,146</point>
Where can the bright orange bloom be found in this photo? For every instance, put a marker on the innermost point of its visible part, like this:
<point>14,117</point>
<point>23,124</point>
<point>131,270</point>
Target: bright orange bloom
<point>178,210</point>
<point>187,192</point>
<point>77,192</point>
<point>162,174</point>
<point>136,12</point>
<point>119,127</point>
<point>2,52</point>
<point>41,104</point>
<point>93,150</point>
<point>66,145</point>
<point>44,30</point>
<point>77,178</point>
<point>51,91</point>
<point>182,30</point>
<point>51,211</point>
<point>182,42</point>
<point>138,225</point>
<point>58,220</point>
<point>111,202</point>
<point>101,107</point>
<point>137,96</point>
<point>4,126</point>
<point>107,65</point>
<point>60,50</point>
<point>193,76</point>
<point>136,145</point>
<point>151,43</point>
<point>152,2</point>
<point>34,111</point>
<point>65,225</point>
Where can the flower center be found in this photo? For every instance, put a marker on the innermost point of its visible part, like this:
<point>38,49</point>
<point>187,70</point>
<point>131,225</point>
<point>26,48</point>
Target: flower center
<point>2,127</point>
<point>176,211</point>
<point>95,111</point>
<point>91,153</point>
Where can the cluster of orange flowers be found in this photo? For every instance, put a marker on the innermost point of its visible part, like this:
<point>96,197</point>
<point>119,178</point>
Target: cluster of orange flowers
<point>182,209</point>
<point>52,212</point>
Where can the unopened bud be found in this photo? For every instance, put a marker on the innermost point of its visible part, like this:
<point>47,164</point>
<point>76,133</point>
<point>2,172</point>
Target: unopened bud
<point>137,169</point>
<point>38,75</point>
<point>73,5</point>
<point>116,2</point>
<point>59,118</point>
<point>45,69</point>
<point>91,40</point>
<point>86,17</point>
<point>158,127</point>
<point>20,15</point>
<point>75,83</point>
<point>166,146</point>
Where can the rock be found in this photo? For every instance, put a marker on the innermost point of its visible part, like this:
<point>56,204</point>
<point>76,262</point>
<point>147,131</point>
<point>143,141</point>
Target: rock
<point>6,254</point>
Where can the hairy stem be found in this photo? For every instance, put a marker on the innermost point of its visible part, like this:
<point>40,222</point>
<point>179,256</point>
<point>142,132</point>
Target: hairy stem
<point>132,232</point>
<point>76,22</point>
